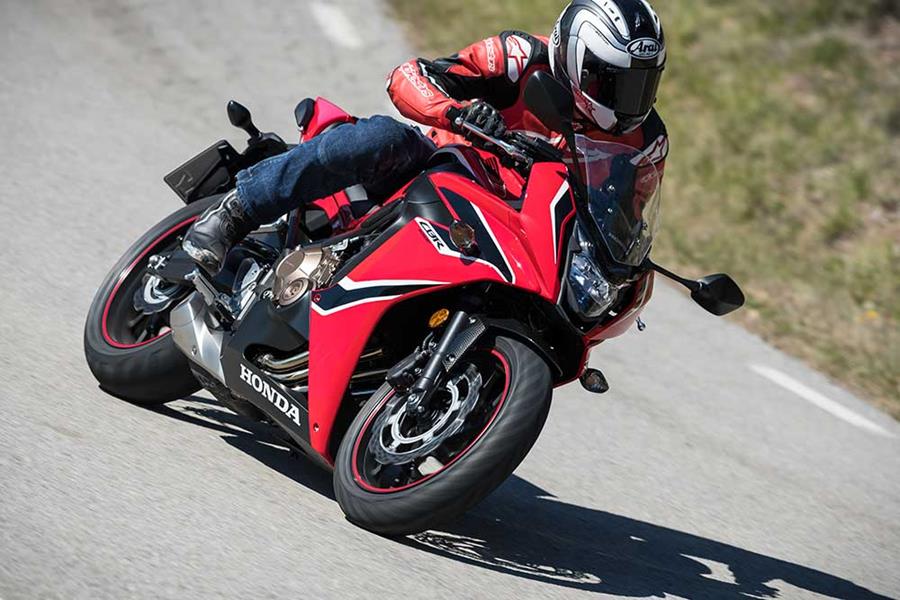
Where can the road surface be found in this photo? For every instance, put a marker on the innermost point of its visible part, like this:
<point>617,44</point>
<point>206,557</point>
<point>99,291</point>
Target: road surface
<point>715,468</point>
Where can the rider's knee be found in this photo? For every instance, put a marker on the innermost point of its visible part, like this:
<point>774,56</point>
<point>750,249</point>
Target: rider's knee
<point>371,149</point>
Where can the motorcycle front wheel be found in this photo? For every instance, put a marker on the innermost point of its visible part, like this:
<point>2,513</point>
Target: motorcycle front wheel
<point>127,341</point>
<point>398,474</point>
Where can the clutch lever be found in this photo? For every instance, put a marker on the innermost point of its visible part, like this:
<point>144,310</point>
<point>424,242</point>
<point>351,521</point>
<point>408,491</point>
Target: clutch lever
<point>511,150</point>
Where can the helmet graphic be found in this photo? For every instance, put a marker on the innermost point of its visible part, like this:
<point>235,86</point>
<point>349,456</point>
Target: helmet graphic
<point>612,53</point>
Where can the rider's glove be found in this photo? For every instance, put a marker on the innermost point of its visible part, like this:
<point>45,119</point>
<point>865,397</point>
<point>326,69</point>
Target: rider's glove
<point>481,115</point>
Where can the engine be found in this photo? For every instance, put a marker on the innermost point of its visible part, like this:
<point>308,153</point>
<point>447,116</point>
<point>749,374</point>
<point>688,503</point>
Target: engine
<point>303,270</point>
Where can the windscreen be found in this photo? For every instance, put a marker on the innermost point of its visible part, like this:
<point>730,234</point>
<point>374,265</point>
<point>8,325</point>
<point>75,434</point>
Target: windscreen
<point>623,190</point>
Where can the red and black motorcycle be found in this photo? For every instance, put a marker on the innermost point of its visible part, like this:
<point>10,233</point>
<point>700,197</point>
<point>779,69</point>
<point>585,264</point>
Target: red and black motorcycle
<point>411,343</point>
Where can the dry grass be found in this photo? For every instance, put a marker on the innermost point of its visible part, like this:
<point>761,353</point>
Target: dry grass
<point>785,163</point>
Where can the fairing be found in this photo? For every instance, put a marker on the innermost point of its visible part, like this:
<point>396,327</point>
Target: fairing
<point>344,316</point>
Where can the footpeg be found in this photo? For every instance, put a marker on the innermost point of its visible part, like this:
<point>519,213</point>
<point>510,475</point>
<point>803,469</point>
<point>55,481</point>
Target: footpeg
<point>594,381</point>
<point>215,300</point>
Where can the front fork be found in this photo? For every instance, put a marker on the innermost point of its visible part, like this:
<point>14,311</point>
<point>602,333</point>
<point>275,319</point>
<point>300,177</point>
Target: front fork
<point>421,374</point>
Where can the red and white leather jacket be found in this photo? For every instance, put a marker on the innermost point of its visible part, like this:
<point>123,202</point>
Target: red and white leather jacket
<point>495,70</point>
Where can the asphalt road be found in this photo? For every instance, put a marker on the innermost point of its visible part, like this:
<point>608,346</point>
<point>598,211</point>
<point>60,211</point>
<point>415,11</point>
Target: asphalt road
<point>705,473</point>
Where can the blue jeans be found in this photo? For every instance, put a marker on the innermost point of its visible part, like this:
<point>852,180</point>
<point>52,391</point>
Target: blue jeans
<point>380,153</point>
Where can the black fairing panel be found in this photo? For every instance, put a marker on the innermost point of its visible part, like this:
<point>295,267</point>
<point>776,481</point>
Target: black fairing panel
<point>287,408</point>
<point>282,329</point>
<point>210,172</point>
<point>213,171</point>
<point>422,200</point>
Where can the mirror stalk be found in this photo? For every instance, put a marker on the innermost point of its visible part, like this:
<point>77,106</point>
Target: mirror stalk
<point>688,283</point>
<point>717,294</point>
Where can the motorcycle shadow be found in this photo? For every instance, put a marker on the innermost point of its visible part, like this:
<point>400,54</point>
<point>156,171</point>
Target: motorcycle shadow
<point>523,531</point>
<point>253,439</point>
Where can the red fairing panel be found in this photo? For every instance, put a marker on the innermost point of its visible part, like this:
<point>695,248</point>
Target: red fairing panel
<point>643,291</point>
<point>548,215</point>
<point>421,259</point>
<point>344,316</point>
<point>324,116</point>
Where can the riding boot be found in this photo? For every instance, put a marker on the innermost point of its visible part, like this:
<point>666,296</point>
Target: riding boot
<point>210,238</point>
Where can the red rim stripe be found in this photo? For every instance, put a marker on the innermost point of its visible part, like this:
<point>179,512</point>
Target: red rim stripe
<point>123,276</point>
<point>354,457</point>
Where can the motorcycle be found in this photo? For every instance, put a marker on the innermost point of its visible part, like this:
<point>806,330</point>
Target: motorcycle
<point>411,344</point>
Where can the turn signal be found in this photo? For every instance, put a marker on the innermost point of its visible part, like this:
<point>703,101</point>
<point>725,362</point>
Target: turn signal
<point>463,237</point>
<point>593,381</point>
<point>439,318</point>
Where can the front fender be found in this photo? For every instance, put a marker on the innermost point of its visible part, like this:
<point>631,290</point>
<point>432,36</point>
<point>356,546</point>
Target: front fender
<point>535,340</point>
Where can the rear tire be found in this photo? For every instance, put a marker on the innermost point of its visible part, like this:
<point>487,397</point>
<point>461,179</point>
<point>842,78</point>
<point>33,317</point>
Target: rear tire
<point>466,479</point>
<point>147,372</point>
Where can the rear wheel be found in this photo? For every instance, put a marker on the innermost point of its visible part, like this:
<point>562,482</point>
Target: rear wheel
<point>127,340</point>
<point>397,474</point>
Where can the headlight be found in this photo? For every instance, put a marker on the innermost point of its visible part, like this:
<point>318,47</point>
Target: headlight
<point>589,293</point>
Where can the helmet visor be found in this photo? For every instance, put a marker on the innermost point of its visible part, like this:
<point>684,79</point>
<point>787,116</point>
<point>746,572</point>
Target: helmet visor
<point>630,92</point>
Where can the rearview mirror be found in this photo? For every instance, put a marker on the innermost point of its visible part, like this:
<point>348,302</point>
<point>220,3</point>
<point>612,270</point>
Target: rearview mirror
<point>718,294</point>
<point>550,101</point>
<point>240,117</point>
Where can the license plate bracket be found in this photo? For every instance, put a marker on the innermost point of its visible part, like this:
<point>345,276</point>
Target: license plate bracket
<point>208,173</point>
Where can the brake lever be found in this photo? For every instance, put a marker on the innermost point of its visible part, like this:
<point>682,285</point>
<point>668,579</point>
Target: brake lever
<point>540,149</point>
<point>511,150</point>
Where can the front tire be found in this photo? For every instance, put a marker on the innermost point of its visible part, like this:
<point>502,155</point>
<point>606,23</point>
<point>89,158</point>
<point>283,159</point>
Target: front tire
<point>412,502</point>
<point>143,367</point>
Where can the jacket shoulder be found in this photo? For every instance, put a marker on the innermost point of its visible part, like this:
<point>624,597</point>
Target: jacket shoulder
<point>654,125</point>
<point>522,51</point>
<point>656,138</point>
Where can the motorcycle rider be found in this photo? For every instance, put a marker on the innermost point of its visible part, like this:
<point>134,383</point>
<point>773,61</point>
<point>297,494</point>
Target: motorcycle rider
<point>610,52</point>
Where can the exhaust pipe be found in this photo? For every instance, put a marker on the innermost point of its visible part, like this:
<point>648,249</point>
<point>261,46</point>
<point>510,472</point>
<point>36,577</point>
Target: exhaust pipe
<point>270,363</point>
<point>295,369</point>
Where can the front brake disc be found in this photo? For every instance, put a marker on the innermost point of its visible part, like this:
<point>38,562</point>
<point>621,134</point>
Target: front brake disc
<point>391,446</point>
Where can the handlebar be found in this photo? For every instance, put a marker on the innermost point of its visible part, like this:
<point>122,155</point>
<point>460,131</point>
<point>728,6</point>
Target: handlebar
<point>520,147</point>
<point>511,150</point>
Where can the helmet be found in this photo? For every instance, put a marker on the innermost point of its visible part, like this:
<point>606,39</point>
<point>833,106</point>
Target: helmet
<point>612,53</point>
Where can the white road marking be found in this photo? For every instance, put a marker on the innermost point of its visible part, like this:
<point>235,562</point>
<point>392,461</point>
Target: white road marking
<point>335,24</point>
<point>810,395</point>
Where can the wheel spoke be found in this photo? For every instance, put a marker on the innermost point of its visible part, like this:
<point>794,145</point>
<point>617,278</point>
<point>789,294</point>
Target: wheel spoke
<point>442,454</point>
<point>487,385</point>
<point>137,318</point>
<point>154,324</point>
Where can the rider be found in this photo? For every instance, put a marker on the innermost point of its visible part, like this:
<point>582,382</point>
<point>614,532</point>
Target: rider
<point>611,52</point>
